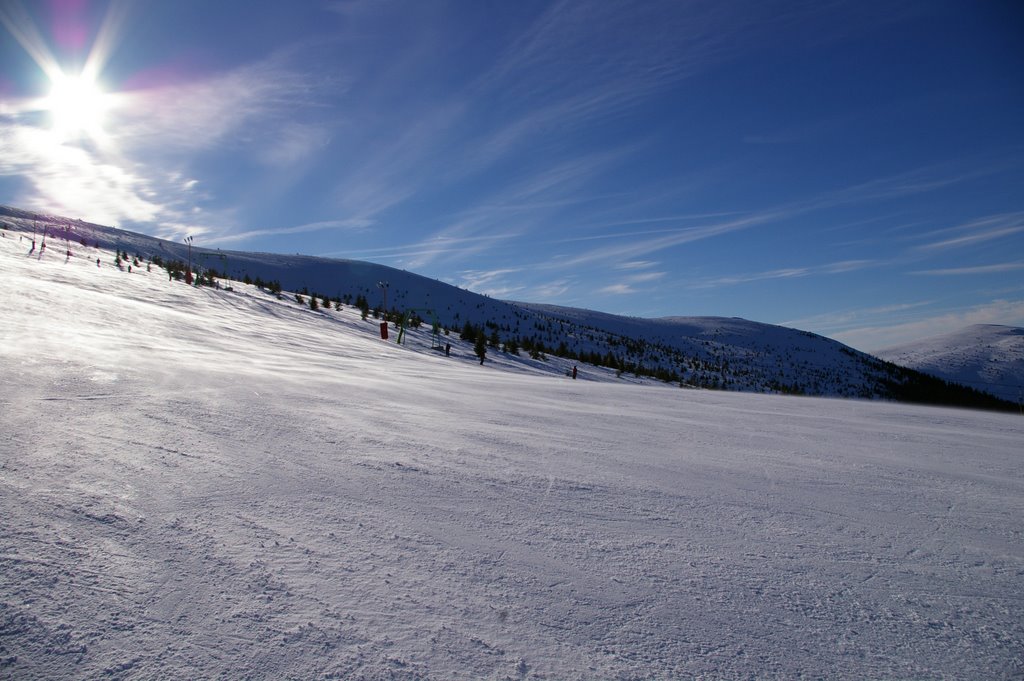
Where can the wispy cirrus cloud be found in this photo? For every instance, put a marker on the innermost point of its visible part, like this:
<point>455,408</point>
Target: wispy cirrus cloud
<point>645,277</point>
<point>845,319</point>
<point>619,289</point>
<point>433,247</point>
<point>551,290</point>
<point>542,92</point>
<point>577,65</point>
<point>520,205</point>
<point>631,245</point>
<point>978,231</point>
<point>630,250</point>
<point>70,180</point>
<point>678,219</point>
<point>840,267</point>
<point>976,269</point>
<point>183,114</point>
<point>322,225</point>
<point>294,143</point>
<point>784,273</point>
<point>632,283</point>
<point>636,265</point>
<point>877,337</point>
<point>493,283</point>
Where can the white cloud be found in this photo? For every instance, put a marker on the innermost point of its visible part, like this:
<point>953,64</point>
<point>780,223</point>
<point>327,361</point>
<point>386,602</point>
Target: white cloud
<point>70,180</point>
<point>617,289</point>
<point>176,231</point>
<point>340,225</point>
<point>182,117</point>
<point>550,290</point>
<point>978,269</point>
<point>636,265</point>
<point>645,277</point>
<point>484,281</point>
<point>292,144</point>
<point>841,267</point>
<point>673,238</point>
<point>844,319</point>
<point>980,230</point>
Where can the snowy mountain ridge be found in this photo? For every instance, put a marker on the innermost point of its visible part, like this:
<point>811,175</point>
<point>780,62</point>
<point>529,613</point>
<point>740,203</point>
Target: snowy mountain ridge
<point>988,357</point>
<point>706,352</point>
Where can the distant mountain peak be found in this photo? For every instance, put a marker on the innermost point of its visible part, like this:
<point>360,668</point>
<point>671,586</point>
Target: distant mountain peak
<point>988,357</point>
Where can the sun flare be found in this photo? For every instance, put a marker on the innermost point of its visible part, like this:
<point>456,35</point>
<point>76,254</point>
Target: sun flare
<point>77,105</point>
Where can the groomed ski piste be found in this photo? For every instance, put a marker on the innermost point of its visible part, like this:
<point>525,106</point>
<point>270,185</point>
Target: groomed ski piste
<point>202,483</point>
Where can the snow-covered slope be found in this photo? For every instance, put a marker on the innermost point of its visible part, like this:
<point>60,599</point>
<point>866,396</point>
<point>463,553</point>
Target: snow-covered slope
<point>988,357</point>
<point>739,354</point>
<point>706,352</point>
<point>202,483</point>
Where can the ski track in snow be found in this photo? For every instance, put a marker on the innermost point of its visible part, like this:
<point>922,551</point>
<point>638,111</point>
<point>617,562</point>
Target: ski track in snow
<point>214,484</point>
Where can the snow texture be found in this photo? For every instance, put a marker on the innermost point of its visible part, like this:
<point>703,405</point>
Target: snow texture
<point>201,483</point>
<point>987,357</point>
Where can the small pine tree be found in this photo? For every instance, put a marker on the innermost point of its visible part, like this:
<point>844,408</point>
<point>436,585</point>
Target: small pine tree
<point>313,305</point>
<point>299,299</point>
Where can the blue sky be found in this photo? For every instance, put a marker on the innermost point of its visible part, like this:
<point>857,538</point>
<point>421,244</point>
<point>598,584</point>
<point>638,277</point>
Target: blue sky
<point>851,168</point>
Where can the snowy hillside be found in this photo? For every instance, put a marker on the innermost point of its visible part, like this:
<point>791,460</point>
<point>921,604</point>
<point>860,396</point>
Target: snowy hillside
<point>204,483</point>
<point>988,357</point>
<point>704,352</point>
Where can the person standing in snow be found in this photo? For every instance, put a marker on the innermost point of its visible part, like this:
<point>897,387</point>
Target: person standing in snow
<point>481,348</point>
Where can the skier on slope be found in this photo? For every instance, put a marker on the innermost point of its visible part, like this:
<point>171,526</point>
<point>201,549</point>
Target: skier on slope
<point>481,348</point>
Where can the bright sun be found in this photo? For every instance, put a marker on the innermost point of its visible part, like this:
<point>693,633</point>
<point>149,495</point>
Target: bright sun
<point>77,105</point>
